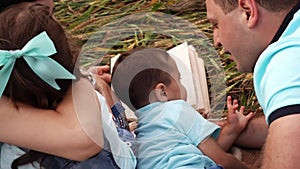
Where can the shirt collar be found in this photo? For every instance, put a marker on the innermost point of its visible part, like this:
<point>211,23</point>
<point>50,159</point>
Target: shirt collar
<point>285,22</point>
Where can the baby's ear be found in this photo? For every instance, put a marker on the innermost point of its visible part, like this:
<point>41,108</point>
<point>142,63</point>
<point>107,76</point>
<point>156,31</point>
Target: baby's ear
<point>160,92</point>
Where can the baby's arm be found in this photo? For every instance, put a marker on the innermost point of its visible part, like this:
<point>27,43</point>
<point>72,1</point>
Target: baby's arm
<point>210,148</point>
<point>236,122</point>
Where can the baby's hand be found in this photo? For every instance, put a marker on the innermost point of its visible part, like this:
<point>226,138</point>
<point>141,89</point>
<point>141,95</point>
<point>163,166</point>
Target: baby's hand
<point>236,120</point>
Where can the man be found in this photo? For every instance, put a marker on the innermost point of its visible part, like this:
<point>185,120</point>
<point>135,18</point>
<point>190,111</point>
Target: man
<point>263,37</point>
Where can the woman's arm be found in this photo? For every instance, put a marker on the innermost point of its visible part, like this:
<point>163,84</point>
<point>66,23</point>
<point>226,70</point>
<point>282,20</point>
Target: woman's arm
<point>57,132</point>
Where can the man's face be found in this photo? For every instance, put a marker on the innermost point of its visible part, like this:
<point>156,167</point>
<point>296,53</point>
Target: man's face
<point>231,31</point>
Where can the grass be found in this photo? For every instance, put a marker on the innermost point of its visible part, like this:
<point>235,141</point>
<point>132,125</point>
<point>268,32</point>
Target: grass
<point>101,30</point>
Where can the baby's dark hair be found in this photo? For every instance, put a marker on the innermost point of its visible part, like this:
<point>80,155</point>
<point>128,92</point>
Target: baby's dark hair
<point>19,23</point>
<point>136,74</point>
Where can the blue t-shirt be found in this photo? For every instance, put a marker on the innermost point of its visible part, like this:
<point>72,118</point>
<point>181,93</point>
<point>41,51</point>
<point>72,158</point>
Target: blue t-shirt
<point>168,134</point>
<point>277,73</point>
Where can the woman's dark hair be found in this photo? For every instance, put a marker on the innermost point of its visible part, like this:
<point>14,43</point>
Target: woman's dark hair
<point>19,23</point>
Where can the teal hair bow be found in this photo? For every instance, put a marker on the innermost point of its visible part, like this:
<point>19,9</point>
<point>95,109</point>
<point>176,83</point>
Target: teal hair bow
<point>36,53</point>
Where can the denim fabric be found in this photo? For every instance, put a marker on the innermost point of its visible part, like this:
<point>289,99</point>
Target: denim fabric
<point>118,112</point>
<point>102,160</point>
<point>129,139</point>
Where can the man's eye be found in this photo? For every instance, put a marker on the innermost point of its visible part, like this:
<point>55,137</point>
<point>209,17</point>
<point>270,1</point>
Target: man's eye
<point>215,26</point>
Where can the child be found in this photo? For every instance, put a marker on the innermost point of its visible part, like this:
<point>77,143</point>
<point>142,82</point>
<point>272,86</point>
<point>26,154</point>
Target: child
<point>170,132</point>
<point>36,62</point>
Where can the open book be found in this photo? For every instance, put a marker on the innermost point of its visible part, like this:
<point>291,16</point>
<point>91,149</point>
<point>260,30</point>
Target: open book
<point>193,77</point>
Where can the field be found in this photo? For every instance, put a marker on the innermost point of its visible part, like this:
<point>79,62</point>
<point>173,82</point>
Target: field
<point>104,28</point>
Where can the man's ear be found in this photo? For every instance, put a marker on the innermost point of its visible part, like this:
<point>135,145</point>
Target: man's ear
<point>249,8</point>
<point>160,92</point>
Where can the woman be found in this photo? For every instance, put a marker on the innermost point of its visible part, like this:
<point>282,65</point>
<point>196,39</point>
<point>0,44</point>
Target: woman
<point>76,123</point>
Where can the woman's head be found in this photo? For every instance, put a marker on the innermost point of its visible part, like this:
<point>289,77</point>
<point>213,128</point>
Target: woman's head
<point>147,74</point>
<point>20,23</point>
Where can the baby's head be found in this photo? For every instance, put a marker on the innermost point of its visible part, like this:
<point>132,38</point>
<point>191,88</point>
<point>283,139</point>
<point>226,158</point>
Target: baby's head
<point>146,76</point>
<point>19,24</point>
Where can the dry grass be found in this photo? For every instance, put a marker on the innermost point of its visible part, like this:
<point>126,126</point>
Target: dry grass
<point>82,18</point>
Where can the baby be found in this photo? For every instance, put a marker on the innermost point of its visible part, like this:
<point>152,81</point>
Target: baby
<point>170,132</point>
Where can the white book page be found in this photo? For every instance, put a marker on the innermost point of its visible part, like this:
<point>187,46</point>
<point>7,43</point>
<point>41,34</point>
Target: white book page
<point>204,86</point>
<point>200,80</point>
<point>113,61</point>
<point>197,80</point>
<point>180,54</point>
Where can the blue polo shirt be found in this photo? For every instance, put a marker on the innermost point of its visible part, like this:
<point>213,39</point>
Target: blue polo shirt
<point>277,74</point>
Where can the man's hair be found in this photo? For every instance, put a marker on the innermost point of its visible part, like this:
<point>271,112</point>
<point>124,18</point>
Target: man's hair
<point>5,3</point>
<point>271,5</point>
<point>19,23</point>
<point>135,75</point>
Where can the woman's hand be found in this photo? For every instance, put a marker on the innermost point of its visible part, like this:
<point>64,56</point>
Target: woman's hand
<point>102,87</point>
<point>102,72</point>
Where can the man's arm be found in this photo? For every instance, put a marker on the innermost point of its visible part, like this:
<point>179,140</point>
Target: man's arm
<point>255,134</point>
<point>283,143</point>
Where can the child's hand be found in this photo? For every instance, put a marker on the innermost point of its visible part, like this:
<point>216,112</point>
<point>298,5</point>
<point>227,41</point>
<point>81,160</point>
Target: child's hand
<point>236,120</point>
